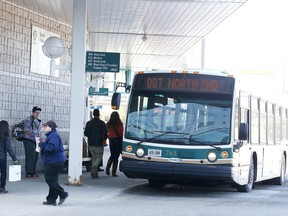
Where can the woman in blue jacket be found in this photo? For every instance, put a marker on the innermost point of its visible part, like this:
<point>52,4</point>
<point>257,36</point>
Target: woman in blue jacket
<point>53,158</point>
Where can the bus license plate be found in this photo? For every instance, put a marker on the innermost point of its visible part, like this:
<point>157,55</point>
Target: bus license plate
<point>154,152</point>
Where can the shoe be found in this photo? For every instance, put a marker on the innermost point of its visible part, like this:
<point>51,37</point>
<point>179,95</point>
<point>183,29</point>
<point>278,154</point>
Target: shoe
<point>31,176</point>
<point>63,199</point>
<point>50,203</point>
<point>100,170</point>
<point>36,175</point>
<point>2,190</point>
<point>94,174</point>
<point>114,175</point>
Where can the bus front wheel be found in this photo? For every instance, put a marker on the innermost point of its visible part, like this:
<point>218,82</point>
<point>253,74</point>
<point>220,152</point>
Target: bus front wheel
<point>281,179</point>
<point>248,187</point>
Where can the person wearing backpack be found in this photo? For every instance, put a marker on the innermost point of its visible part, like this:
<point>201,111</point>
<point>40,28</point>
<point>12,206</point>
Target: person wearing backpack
<point>5,146</point>
<point>32,127</point>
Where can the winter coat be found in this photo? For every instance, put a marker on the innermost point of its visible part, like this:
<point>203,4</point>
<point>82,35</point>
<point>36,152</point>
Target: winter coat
<point>5,146</point>
<point>96,131</point>
<point>52,150</point>
<point>115,134</point>
<point>32,128</point>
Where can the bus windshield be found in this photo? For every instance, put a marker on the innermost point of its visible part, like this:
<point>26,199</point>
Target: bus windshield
<point>182,118</point>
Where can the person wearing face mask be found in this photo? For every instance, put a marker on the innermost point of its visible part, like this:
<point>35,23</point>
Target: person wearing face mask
<point>32,127</point>
<point>53,158</point>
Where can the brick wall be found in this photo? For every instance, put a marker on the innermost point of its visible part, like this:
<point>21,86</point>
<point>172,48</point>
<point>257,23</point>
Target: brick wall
<point>20,89</point>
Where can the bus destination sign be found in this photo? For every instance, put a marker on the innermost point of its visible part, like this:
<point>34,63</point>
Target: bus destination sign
<point>184,82</point>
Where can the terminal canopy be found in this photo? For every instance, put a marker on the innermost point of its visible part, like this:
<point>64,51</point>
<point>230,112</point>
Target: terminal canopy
<point>147,33</point>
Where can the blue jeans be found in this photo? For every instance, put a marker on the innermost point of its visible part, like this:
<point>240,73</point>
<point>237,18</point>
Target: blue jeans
<point>31,157</point>
<point>3,168</point>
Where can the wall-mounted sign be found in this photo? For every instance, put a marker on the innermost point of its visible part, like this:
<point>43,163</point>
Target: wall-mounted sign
<point>102,62</point>
<point>39,62</point>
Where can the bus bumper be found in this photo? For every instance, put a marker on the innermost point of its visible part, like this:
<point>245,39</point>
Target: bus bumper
<point>176,172</point>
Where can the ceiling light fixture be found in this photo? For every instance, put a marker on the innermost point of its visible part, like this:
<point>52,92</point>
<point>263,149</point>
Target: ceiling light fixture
<point>144,38</point>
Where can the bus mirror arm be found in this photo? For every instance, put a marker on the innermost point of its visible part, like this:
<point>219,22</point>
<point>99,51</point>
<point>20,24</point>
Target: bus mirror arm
<point>237,146</point>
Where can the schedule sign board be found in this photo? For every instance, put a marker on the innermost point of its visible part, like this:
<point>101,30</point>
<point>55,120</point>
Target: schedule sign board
<point>102,62</point>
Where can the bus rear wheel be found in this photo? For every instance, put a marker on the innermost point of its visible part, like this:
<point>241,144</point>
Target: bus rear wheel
<point>281,179</point>
<point>248,187</point>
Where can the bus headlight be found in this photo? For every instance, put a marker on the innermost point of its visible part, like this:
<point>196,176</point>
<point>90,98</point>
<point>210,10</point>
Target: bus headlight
<point>140,153</point>
<point>212,156</point>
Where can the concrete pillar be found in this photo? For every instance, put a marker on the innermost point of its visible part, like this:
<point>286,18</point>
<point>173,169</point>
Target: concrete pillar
<point>77,92</point>
<point>203,53</point>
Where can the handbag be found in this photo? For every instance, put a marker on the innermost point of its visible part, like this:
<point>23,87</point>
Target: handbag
<point>14,173</point>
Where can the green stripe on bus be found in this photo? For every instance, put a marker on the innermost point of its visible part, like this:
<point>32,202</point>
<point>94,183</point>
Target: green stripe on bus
<point>173,152</point>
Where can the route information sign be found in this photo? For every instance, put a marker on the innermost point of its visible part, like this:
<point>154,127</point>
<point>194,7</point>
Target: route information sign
<point>102,62</point>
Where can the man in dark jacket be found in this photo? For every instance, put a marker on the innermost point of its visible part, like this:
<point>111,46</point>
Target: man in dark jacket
<point>32,127</point>
<point>97,133</point>
<point>53,158</point>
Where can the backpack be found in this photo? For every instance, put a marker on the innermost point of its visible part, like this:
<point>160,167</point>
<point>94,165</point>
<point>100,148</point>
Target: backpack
<point>18,131</point>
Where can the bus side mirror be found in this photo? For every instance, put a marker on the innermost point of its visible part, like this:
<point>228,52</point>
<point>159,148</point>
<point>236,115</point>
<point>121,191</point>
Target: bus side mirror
<point>115,101</point>
<point>243,131</point>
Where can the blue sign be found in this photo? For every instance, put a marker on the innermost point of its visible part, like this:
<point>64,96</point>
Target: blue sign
<point>102,62</point>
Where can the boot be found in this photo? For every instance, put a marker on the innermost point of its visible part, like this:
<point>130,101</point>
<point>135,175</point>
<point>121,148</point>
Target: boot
<point>94,173</point>
<point>108,166</point>
<point>114,169</point>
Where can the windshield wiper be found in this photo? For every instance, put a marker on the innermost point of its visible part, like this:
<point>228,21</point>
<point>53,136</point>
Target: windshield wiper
<point>155,137</point>
<point>212,145</point>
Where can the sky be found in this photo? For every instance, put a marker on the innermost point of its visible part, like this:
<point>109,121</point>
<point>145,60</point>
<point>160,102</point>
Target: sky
<point>254,42</point>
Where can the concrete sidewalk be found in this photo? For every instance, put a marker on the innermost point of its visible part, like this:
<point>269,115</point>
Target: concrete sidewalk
<point>26,196</point>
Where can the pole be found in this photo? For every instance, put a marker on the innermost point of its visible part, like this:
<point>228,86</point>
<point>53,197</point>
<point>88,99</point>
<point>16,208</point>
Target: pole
<point>77,92</point>
<point>203,53</point>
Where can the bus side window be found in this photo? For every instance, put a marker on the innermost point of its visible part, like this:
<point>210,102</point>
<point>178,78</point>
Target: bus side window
<point>277,125</point>
<point>263,123</point>
<point>254,124</point>
<point>284,123</point>
<point>270,123</point>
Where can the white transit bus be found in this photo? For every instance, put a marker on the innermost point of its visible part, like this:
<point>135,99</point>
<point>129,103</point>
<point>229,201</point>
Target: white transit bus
<point>187,126</point>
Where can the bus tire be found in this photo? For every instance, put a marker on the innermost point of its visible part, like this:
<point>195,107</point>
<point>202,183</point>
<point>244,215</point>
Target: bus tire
<point>155,183</point>
<point>248,187</point>
<point>281,179</point>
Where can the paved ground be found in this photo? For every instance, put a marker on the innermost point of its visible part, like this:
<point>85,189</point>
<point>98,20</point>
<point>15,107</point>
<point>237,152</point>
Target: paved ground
<point>109,196</point>
<point>26,196</point>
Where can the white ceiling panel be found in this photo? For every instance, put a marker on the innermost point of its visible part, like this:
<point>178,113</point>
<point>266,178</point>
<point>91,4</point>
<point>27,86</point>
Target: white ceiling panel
<point>172,26</point>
